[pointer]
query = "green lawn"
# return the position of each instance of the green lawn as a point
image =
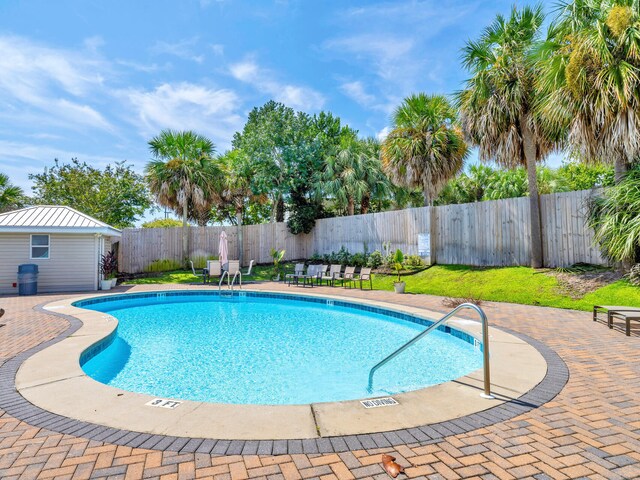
(508, 284)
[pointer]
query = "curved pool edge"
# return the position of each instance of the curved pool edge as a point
(517, 367)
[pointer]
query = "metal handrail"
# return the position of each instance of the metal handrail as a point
(222, 278)
(238, 274)
(485, 346)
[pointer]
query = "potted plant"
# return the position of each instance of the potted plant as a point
(277, 256)
(398, 263)
(108, 269)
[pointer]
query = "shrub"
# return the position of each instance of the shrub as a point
(201, 261)
(358, 260)
(163, 265)
(413, 261)
(398, 262)
(375, 259)
(634, 275)
(614, 219)
(162, 223)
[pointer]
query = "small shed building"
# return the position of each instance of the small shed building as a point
(65, 244)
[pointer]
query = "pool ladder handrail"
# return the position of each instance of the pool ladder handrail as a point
(432, 327)
(230, 281)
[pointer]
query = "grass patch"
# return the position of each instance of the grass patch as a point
(510, 284)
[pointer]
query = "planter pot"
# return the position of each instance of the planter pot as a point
(399, 287)
(105, 284)
(114, 282)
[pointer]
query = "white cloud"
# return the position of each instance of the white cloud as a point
(356, 91)
(35, 78)
(382, 134)
(183, 49)
(186, 106)
(295, 96)
(217, 48)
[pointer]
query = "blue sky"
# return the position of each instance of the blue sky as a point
(97, 79)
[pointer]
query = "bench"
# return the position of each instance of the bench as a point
(623, 313)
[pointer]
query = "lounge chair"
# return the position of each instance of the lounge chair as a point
(334, 272)
(623, 313)
(204, 274)
(248, 272)
(234, 271)
(215, 269)
(348, 275)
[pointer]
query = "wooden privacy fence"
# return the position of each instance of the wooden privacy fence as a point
(493, 233)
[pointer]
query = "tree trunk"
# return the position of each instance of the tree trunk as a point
(185, 236)
(620, 168)
(240, 236)
(351, 207)
(365, 204)
(427, 197)
(534, 197)
(280, 209)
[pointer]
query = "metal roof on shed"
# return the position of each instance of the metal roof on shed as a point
(53, 218)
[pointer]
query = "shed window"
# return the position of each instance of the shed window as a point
(39, 246)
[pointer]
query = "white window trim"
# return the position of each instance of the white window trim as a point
(31, 245)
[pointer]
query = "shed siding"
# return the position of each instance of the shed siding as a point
(71, 266)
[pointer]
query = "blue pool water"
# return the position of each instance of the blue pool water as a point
(268, 350)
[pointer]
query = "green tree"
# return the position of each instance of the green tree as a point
(496, 105)
(425, 149)
(353, 173)
(183, 177)
(615, 218)
(162, 223)
(575, 175)
(116, 195)
(265, 139)
(11, 196)
(286, 148)
(590, 66)
(237, 172)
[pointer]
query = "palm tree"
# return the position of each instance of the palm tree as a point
(183, 176)
(426, 148)
(11, 196)
(496, 105)
(591, 79)
(353, 173)
(237, 172)
(379, 186)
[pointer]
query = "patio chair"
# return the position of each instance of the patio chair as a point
(321, 273)
(297, 272)
(363, 276)
(348, 276)
(334, 271)
(204, 274)
(234, 270)
(309, 277)
(623, 313)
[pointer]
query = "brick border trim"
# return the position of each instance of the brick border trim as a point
(17, 406)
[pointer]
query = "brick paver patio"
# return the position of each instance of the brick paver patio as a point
(590, 430)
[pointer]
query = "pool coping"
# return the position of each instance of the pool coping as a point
(556, 375)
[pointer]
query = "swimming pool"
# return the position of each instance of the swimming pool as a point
(257, 348)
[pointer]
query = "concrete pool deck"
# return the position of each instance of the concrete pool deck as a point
(53, 380)
(591, 429)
